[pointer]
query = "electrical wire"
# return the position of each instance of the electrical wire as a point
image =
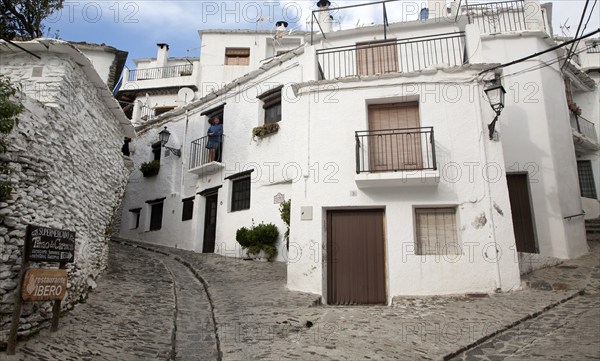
(576, 34)
(544, 64)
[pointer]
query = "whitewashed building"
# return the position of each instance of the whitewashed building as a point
(401, 181)
(67, 167)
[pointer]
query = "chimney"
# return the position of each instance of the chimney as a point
(162, 55)
(281, 25)
(325, 19)
(437, 9)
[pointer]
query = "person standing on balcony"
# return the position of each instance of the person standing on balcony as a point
(215, 134)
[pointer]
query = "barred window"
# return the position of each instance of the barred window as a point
(188, 209)
(240, 194)
(436, 231)
(156, 150)
(586, 179)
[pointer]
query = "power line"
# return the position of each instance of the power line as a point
(576, 34)
(543, 65)
(588, 20)
(539, 53)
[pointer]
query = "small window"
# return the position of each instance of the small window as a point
(156, 214)
(156, 150)
(134, 218)
(240, 194)
(436, 231)
(188, 209)
(586, 179)
(237, 56)
(272, 105)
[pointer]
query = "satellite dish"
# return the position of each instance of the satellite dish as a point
(185, 95)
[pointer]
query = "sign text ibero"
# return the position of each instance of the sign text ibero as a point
(44, 285)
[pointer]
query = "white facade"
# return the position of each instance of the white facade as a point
(261, 46)
(314, 159)
(67, 169)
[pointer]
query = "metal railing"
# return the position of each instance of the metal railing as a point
(584, 126)
(161, 73)
(498, 17)
(594, 48)
(200, 154)
(393, 150)
(147, 113)
(392, 56)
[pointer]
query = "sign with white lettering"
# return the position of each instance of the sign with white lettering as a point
(49, 245)
(44, 284)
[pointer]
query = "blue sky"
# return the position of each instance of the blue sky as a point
(136, 26)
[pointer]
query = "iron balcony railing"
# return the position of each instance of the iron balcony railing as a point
(200, 155)
(498, 17)
(161, 73)
(394, 150)
(392, 56)
(584, 126)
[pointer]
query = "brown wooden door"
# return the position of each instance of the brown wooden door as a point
(397, 150)
(520, 205)
(376, 58)
(355, 257)
(210, 223)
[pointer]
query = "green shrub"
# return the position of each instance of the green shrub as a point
(262, 237)
(284, 210)
(150, 168)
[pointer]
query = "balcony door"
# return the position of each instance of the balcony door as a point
(394, 137)
(379, 57)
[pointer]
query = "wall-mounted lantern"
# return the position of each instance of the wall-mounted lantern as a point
(495, 93)
(163, 136)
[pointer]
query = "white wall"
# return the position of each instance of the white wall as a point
(535, 128)
(101, 60)
(325, 135)
(215, 74)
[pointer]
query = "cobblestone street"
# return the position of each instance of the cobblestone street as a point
(160, 303)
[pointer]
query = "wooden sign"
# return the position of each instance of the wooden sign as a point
(44, 284)
(49, 245)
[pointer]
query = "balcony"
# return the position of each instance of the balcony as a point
(584, 134)
(395, 157)
(392, 56)
(498, 17)
(161, 73)
(200, 162)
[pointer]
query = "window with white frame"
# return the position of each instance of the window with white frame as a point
(436, 231)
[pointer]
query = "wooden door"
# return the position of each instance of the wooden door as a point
(376, 58)
(355, 257)
(210, 223)
(520, 205)
(398, 148)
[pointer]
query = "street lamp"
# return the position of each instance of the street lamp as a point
(163, 136)
(495, 94)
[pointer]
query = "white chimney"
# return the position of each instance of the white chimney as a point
(437, 9)
(162, 55)
(325, 18)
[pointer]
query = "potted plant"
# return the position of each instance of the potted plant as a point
(264, 130)
(573, 107)
(257, 239)
(150, 169)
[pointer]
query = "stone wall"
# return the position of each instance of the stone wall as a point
(67, 172)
